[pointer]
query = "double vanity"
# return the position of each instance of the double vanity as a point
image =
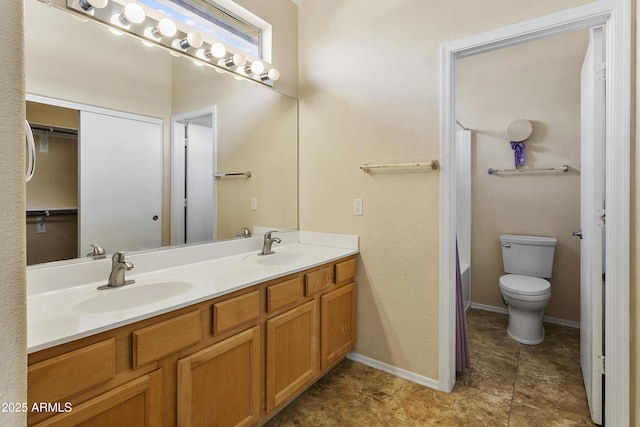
(208, 335)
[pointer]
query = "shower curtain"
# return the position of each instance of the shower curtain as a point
(463, 360)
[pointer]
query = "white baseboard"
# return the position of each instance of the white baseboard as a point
(393, 370)
(547, 319)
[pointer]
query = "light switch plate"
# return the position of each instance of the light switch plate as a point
(357, 207)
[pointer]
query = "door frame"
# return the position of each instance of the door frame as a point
(616, 15)
(178, 170)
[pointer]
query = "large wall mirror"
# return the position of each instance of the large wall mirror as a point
(94, 96)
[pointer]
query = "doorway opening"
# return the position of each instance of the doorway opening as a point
(616, 16)
(193, 187)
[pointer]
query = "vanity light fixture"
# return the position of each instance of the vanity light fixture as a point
(163, 32)
(88, 5)
(133, 14)
(166, 27)
(193, 40)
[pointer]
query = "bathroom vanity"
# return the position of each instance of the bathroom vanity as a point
(234, 357)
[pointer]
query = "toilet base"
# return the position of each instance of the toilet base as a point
(525, 326)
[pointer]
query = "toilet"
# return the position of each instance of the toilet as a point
(528, 260)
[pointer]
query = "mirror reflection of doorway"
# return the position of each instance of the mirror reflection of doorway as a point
(193, 184)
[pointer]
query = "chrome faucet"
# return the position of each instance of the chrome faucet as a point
(118, 268)
(245, 233)
(268, 241)
(97, 251)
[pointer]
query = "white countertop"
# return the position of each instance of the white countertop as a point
(60, 310)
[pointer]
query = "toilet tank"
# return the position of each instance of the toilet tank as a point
(528, 255)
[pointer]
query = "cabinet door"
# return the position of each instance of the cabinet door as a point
(136, 403)
(291, 352)
(338, 323)
(220, 385)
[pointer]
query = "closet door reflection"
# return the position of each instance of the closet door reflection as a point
(120, 190)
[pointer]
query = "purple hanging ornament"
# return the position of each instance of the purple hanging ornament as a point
(518, 153)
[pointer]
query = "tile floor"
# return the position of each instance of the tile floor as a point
(509, 384)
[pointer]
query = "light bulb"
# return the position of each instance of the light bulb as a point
(218, 50)
(238, 59)
(257, 67)
(273, 75)
(88, 5)
(166, 27)
(221, 64)
(193, 40)
(134, 13)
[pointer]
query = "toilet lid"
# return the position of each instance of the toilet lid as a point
(525, 285)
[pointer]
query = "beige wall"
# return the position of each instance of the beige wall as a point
(255, 130)
(13, 328)
(85, 63)
(539, 81)
(369, 90)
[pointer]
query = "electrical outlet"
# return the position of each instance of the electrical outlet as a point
(357, 207)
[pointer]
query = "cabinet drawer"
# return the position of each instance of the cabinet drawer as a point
(318, 280)
(62, 376)
(159, 340)
(345, 271)
(284, 293)
(235, 311)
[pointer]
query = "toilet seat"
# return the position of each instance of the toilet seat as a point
(525, 285)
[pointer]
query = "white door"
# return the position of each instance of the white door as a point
(200, 186)
(591, 222)
(120, 185)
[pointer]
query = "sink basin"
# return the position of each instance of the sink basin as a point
(131, 296)
(281, 258)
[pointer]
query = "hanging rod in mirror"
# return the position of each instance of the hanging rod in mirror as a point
(563, 168)
(52, 211)
(220, 175)
(433, 165)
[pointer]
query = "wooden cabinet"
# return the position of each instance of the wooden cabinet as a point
(164, 338)
(220, 385)
(338, 311)
(229, 361)
(292, 342)
(136, 403)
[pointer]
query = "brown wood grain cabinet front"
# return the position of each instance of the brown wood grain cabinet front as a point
(338, 323)
(292, 344)
(220, 385)
(234, 360)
